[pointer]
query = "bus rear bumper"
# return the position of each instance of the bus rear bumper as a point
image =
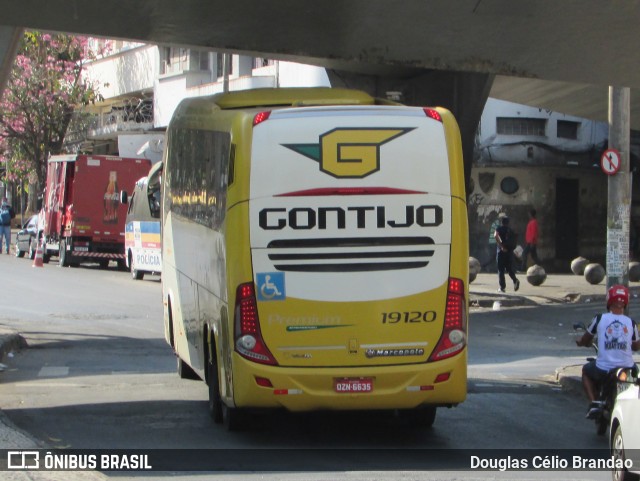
(442, 383)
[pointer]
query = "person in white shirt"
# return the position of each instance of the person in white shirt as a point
(617, 337)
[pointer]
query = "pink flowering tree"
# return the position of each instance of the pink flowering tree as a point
(45, 87)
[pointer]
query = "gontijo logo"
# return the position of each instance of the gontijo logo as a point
(349, 152)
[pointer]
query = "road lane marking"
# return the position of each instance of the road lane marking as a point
(53, 371)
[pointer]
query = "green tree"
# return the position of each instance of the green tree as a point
(46, 85)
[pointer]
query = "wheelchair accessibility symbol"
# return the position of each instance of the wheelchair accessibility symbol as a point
(270, 286)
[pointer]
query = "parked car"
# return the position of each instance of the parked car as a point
(625, 432)
(26, 239)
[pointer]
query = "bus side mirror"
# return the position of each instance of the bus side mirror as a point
(124, 197)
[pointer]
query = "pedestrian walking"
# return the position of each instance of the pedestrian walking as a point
(531, 240)
(489, 266)
(6, 215)
(506, 240)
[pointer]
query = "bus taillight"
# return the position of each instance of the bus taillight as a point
(454, 332)
(261, 117)
(248, 337)
(433, 114)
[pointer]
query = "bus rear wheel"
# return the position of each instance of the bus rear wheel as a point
(422, 417)
(215, 402)
(233, 419)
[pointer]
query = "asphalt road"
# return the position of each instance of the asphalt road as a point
(98, 374)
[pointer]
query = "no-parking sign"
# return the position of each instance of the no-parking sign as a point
(610, 161)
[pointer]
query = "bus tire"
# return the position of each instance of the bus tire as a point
(234, 419)
(215, 402)
(422, 417)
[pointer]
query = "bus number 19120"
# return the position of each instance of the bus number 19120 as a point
(406, 317)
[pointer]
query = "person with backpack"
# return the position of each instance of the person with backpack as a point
(506, 241)
(6, 214)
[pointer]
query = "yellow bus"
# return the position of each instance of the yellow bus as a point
(315, 252)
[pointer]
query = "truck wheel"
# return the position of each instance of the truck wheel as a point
(33, 246)
(62, 254)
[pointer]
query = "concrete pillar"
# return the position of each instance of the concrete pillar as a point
(9, 42)
(463, 93)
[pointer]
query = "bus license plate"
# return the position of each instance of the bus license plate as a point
(359, 385)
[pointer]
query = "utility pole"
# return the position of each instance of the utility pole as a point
(619, 188)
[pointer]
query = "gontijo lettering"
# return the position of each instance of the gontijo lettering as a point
(340, 218)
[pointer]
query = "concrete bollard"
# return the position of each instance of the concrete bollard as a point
(594, 273)
(536, 275)
(474, 269)
(634, 271)
(578, 265)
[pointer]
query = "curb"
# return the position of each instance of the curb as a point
(486, 300)
(569, 378)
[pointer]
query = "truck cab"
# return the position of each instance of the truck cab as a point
(83, 220)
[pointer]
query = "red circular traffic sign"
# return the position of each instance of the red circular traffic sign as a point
(610, 161)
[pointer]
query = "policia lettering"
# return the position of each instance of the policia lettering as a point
(301, 218)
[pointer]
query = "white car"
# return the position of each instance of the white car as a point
(625, 432)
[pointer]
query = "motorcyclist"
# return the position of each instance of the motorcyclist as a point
(617, 337)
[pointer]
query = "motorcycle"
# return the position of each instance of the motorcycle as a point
(615, 381)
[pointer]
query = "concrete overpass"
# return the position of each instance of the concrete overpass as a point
(559, 55)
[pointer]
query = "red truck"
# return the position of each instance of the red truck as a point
(82, 219)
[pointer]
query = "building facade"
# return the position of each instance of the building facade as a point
(525, 157)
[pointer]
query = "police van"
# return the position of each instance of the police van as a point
(143, 243)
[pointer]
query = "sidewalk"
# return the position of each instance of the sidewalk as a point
(556, 289)
(483, 293)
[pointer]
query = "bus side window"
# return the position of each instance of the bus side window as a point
(232, 164)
